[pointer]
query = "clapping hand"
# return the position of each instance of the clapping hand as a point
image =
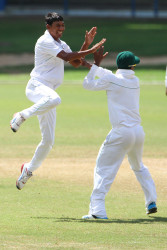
(98, 45)
(99, 56)
(89, 36)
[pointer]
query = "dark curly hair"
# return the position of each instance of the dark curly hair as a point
(53, 17)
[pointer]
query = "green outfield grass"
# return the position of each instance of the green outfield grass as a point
(47, 215)
(47, 212)
(144, 37)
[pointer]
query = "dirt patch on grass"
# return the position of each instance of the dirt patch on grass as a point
(28, 59)
(80, 171)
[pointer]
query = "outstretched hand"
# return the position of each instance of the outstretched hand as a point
(99, 56)
(89, 36)
(98, 45)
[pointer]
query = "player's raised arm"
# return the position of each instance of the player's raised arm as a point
(99, 56)
(89, 38)
(80, 54)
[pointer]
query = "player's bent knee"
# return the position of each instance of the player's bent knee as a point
(56, 101)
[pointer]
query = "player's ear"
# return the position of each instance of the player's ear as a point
(48, 26)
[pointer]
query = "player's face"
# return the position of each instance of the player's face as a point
(56, 29)
(133, 68)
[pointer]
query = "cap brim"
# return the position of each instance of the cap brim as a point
(137, 60)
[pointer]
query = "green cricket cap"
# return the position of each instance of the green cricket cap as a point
(126, 59)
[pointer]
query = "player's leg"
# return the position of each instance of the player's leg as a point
(141, 171)
(109, 159)
(47, 123)
(44, 98)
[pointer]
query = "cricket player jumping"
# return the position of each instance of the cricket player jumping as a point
(126, 136)
(47, 75)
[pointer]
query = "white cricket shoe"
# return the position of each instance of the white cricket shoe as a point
(93, 217)
(16, 122)
(25, 175)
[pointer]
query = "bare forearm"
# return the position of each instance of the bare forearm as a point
(77, 55)
(80, 54)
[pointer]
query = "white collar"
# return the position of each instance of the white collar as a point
(51, 37)
(126, 72)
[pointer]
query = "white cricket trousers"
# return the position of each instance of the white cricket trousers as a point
(46, 100)
(119, 142)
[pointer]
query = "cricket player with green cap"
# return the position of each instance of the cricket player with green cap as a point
(126, 59)
(126, 136)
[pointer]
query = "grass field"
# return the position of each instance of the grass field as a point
(47, 213)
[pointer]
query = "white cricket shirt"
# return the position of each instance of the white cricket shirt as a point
(123, 93)
(49, 69)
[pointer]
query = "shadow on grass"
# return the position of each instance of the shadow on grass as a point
(148, 220)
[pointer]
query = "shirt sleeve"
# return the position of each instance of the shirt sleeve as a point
(66, 48)
(104, 82)
(166, 78)
(49, 48)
